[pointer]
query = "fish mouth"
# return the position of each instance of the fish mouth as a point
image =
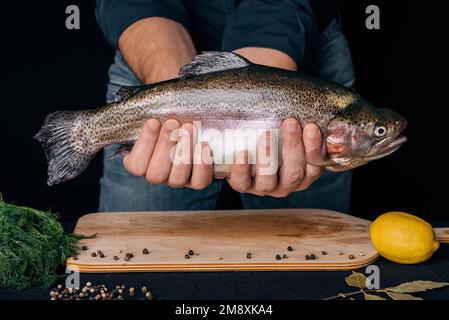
(391, 145)
(398, 141)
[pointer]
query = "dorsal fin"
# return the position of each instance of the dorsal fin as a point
(213, 61)
(124, 93)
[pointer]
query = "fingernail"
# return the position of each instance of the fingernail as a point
(189, 129)
(154, 125)
(171, 124)
(313, 131)
(292, 126)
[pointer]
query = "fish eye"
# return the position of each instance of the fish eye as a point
(380, 131)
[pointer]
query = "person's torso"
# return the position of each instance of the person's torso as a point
(208, 19)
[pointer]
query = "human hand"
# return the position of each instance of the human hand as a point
(294, 173)
(161, 159)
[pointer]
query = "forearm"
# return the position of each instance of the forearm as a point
(268, 57)
(156, 48)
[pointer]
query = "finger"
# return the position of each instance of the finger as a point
(266, 164)
(183, 155)
(313, 145)
(202, 170)
(240, 179)
(160, 163)
(136, 162)
(292, 169)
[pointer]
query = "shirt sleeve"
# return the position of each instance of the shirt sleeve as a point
(114, 16)
(285, 25)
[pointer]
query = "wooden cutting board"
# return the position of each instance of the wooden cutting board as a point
(222, 239)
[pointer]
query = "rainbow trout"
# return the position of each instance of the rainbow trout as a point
(224, 91)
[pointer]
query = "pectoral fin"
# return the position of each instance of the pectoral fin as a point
(122, 150)
(320, 157)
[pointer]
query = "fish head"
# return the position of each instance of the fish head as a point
(363, 133)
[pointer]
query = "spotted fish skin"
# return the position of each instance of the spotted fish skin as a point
(221, 90)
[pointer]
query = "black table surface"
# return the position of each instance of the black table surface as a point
(289, 285)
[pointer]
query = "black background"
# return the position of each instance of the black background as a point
(400, 66)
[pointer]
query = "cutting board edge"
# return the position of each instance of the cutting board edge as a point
(221, 267)
(442, 234)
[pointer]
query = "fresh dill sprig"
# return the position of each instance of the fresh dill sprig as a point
(33, 247)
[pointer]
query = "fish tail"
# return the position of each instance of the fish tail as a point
(63, 138)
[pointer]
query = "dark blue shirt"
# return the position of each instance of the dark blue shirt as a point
(226, 25)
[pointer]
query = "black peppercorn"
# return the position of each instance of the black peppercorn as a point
(149, 295)
(145, 251)
(93, 254)
(284, 256)
(249, 255)
(115, 258)
(289, 248)
(323, 253)
(186, 256)
(101, 255)
(312, 256)
(278, 257)
(190, 253)
(84, 248)
(351, 256)
(75, 257)
(128, 256)
(307, 257)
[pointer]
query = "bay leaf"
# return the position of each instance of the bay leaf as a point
(402, 296)
(417, 286)
(357, 280)
(372, 297)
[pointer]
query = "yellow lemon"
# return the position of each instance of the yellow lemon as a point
(403, 238)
